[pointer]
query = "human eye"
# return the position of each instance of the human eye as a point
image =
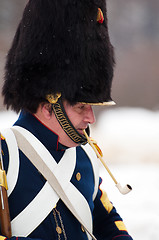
(81, 106)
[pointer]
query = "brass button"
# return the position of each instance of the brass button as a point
(78, 176)
(82, 228)
(58, 230)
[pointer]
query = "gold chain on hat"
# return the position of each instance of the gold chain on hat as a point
(59, 229)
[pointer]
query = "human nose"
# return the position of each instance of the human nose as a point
(89, 116)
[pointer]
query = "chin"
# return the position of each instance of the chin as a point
(80, 131)
(66, 141)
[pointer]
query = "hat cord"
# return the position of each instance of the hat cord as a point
(66, 124)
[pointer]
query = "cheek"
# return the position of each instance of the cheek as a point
(76, 120)
(74, 116)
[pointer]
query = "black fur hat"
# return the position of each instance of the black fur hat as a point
(60, 46)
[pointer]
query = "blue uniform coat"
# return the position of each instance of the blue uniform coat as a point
(106, 221)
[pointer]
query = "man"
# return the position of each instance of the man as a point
(60, 64)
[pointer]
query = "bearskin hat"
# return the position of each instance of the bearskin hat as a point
(59, 46)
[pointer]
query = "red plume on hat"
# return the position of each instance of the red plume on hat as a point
(60, 46)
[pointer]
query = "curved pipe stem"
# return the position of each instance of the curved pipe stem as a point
(124, 190)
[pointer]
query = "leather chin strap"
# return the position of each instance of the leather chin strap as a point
(66, 124)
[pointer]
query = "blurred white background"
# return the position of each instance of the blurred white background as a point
(129, 139)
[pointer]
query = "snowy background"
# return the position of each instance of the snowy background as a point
(129, 139)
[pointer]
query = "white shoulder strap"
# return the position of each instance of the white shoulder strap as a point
(31, 217)
(13, 168)
(73, 199)
(95, 164)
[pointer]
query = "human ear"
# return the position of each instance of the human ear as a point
(47, 110)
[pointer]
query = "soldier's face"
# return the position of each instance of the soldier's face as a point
(80, 115)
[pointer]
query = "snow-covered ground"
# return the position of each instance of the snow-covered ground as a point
(129, 139)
